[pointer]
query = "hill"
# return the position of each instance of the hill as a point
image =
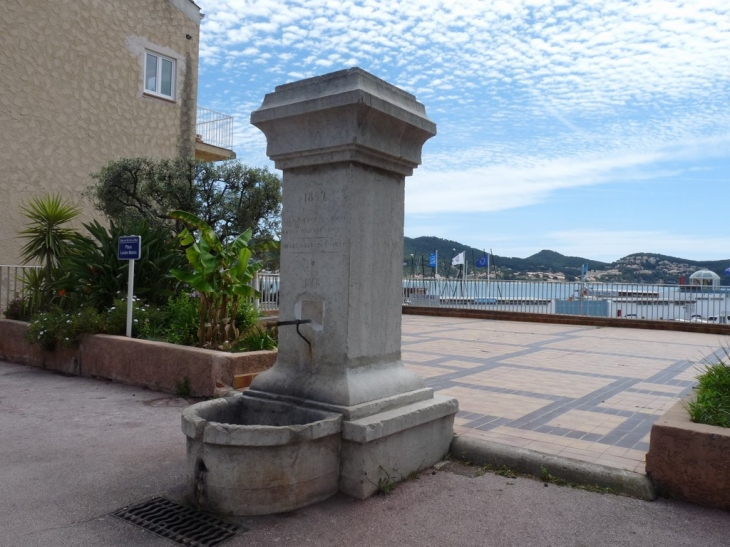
(634, 268)
(510, 267)
(658, 268)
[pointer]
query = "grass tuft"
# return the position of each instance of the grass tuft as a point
(712, 406)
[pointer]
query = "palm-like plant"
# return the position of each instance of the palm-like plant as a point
(221, 274)
(48, 237)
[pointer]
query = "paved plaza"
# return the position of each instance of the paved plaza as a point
(76, 449)
(582, 392)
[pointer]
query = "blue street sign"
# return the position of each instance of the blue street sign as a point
(130, 248)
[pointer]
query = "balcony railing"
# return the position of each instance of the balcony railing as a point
(214, 128)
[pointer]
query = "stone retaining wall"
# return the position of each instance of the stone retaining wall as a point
(154, 365)
(690, 461)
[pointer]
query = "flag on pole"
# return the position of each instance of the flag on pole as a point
(727, 271)
(432, 259)
(483, 262)
(459, 259)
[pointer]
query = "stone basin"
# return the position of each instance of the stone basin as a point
(250, 456)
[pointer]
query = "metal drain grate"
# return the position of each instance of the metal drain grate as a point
(177, 522)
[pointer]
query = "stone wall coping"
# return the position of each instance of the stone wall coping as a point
(152, 364)
(678, 417)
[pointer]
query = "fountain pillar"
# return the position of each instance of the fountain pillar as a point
(345, 143)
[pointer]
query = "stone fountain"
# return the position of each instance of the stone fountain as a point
(338, 410)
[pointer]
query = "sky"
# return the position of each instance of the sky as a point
(594, 128)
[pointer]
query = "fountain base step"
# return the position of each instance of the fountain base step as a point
(387, 447)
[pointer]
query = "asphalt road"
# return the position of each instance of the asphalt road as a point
(74, 449)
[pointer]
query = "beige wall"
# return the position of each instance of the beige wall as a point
(71, 95)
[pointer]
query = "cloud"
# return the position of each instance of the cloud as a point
(531, 97)
(520, 181)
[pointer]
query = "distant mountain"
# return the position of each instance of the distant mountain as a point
(544, 261)
(657, 268)
(634, 268)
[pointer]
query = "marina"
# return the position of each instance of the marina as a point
(708, 304)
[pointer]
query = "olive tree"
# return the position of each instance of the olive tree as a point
(230, 197)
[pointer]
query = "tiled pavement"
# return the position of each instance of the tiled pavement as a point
(583, 392)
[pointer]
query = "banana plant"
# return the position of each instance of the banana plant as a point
(221, 273)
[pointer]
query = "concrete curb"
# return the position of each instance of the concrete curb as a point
(485, 452)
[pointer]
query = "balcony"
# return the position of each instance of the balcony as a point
(214, 136)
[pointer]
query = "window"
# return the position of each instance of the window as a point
(159, 75)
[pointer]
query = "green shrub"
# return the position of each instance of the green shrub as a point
(712, 405)
(148, 321)
(18, 309)
(60, 327)
(91, 268)
(256, 339)
(183, 317)
(176, 323)
(151, 322)
(247, 317)
(115, 318)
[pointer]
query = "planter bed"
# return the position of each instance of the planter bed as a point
(154, 365)
(690, 461)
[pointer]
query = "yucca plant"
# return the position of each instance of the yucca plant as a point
(221, 274)
(46, 233)
(33, 289)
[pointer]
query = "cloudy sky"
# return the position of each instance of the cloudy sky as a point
(595, 128)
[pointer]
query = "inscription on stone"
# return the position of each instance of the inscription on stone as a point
(312, 234)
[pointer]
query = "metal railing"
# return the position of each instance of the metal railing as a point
(624, 300)
(12, 283)
(619, 300)
(214, 128)
(268, 286)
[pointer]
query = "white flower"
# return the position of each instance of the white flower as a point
(112, 308)
(135, 320)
